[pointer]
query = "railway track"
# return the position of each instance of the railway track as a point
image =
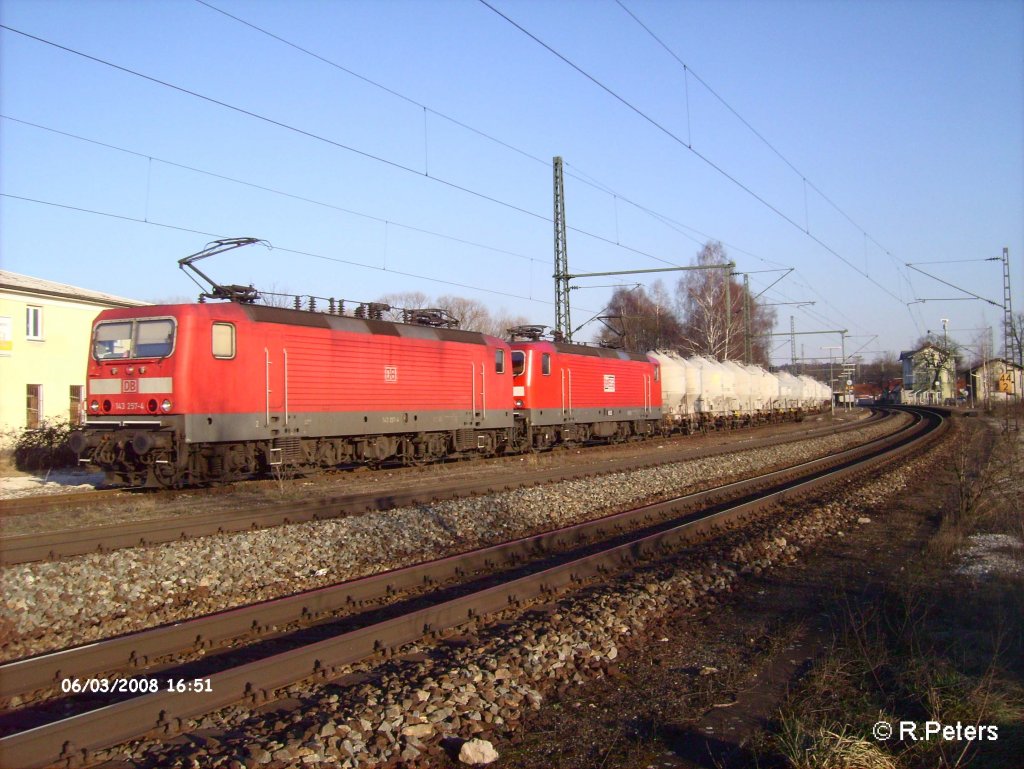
(43, 503)
(514, 573)
(66, 543)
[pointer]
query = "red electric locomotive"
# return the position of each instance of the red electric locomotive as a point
(568, 393)
(185, 394)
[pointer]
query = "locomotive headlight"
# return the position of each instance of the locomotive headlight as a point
(94, 406)
(518, 403)
(166, 405)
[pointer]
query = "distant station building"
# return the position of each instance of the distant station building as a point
(44, 341)
(995, 381)
(929, 376)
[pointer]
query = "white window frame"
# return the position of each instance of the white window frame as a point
(34, 330)
(213, 339)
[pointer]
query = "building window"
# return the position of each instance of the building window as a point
(34, 402)
(223, 340)
(76, 410)
(33, 322)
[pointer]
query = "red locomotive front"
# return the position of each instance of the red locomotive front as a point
(576, 393)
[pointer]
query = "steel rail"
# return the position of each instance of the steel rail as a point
(66, 543)
(138, 650)
(42, 503)
(71, 741)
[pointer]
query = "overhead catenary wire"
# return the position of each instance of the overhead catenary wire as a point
(275, 191)
(277, 247)
(150, 158)
(368, 155)
(629, 105)
(466, 126)
(576, 172)
(332, 142)
(803, 177)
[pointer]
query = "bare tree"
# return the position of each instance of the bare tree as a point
(403, 300)
(502, 322)
(1017, 332)
(472, 315)
(638, 320)
(939, 360)
(882, 371)
(276, 297)
(710, 307)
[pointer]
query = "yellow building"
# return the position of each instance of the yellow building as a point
(44, 341)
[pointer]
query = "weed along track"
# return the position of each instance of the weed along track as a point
(230, 667)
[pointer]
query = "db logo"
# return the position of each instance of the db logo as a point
(129, 385)
(391, 373)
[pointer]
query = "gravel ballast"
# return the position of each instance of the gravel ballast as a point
(49, 606)
(411, 707)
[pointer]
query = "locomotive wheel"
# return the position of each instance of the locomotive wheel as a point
(407, 454)
(165, 470)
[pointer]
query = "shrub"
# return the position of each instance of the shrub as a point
(45, 447)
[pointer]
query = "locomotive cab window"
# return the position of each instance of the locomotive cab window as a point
(545, 363)
(518, 362)
(154, 338)
(223, 340)
(112, 340)
(149, 338)
(499, 361)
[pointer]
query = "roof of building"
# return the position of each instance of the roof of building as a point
(26, 284)
(991, 361)
(867, 388)
(913, 353)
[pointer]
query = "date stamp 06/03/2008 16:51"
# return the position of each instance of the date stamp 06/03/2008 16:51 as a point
(135, 685)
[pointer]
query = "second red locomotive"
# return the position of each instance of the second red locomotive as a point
(569, 393)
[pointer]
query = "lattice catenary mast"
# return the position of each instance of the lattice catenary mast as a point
(563, 324)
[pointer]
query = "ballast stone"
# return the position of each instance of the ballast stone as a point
(477, 752)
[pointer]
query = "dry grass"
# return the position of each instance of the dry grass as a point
(829, 747)
(936, 647)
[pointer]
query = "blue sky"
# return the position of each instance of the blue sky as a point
(894, 133)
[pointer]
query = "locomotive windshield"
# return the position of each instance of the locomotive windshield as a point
(149, 338)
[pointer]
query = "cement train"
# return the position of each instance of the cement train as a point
(188, 394)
